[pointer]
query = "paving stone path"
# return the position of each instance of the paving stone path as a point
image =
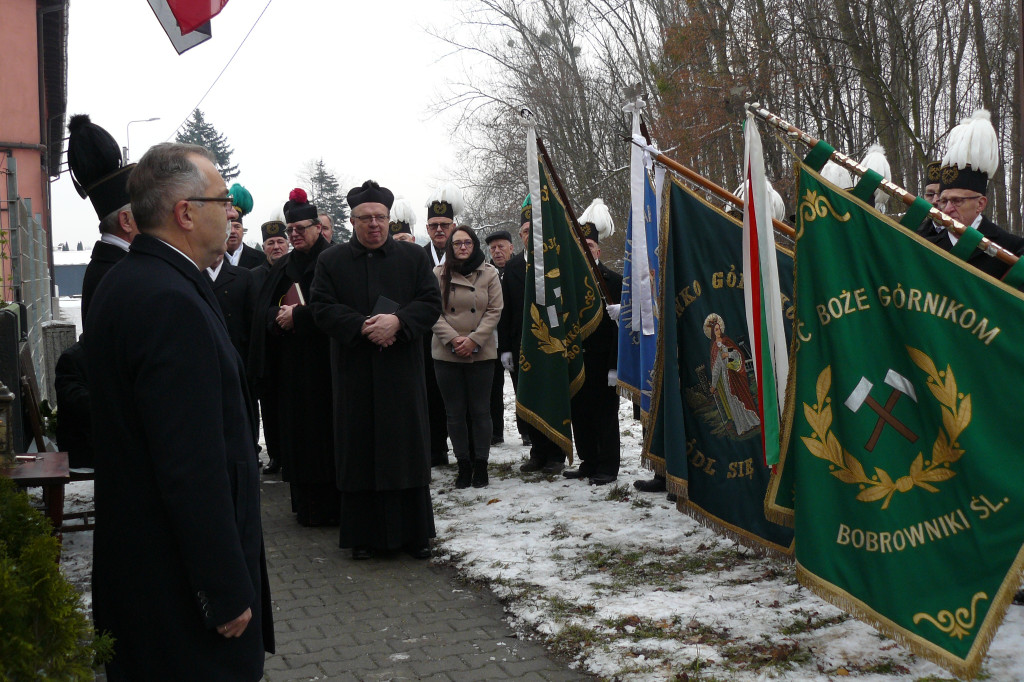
(390, 618)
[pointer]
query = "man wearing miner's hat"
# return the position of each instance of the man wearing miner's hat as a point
(239, 253)
(98, 173)
(972, 156)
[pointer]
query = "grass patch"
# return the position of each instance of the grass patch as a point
(502, 470)
(619, 493)
(563, 608)
(640, 503)
(560, 531)
(768, 653)
(659, 567)
(810, 620)
(572, 639)
(637, 628)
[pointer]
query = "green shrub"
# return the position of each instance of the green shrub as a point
(44, 632)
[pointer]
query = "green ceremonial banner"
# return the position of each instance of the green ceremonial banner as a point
(900, 466)
(706, 435)
(551, 357)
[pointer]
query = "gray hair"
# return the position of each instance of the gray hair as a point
(164, 176)
(111, 223)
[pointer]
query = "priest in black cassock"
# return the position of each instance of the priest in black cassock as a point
(376, 298)
(286, 352)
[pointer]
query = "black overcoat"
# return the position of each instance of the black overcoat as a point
(513, 290)
(979, 259)
(104, 257)
(293, 365)
(178, 546)
(250, 257)
(233, 288)
(380, 400)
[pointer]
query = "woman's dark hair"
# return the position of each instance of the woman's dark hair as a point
(464, 267)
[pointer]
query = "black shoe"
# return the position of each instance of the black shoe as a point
(418, 552)
(361, 553)
(526, 440)
(671, 497)
(1019, 598)
(465, 472)
(439, 460)
(602, 479)
(553, 468)
(576, 473)
(273, 466)
(497, 440)
(479, 474)
(531, 466)
(655, 485)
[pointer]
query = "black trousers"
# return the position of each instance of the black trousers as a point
(595, 419)
(498, 402)
(436, 416)
(465, 387)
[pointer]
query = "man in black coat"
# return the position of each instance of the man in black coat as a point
(595, 407)
(233, 288)
(377, 298)
(179, 577)
(94, 159)
(963, 182)
(287, 356)
(545, 455)
(440, 224)
(238, 252)
(499, 243)
(275, 247)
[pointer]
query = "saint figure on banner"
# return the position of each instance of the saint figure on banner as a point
(730, 388)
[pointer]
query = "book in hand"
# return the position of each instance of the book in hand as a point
(293, 296)
(384, 306)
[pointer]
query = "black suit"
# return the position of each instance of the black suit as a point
(234, 290)
(595, 407)
(74, 428)
(979, 259)
(104, 256)
(437, 419)
(178, 546)
(510, 334)
(251, 257)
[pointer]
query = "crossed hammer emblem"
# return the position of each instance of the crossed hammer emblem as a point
(862, 396)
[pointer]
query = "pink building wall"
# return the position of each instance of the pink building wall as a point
(19, 114)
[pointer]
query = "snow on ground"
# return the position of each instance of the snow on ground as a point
(628, 588)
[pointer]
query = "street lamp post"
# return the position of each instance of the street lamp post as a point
(127, 134)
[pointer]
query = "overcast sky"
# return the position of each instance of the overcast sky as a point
(352, 83)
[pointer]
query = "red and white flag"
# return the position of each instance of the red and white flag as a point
(191, 14)
(762, 293)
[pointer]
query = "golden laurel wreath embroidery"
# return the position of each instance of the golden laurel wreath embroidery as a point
(956, 415)
(814, 206)
(954, 625)
(551, 345)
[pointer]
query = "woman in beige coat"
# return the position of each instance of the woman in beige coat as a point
(464, 349)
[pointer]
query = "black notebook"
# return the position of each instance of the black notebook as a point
(384, 306)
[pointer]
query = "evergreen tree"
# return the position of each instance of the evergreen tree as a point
(325, 192)
(198, 131)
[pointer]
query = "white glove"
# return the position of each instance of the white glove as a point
(613, 312)
(613, 378)
(506, 360)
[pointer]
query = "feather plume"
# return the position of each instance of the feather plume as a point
(401, 212)
(776, 204)
(599, 215)
(876, 161)
(974, 143)
(837, 175)
(449, 194)
(298, 195)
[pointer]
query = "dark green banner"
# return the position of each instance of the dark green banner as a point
(901, 463)
(551, 357)
(706, 435)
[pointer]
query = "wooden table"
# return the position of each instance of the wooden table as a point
(50, 472)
